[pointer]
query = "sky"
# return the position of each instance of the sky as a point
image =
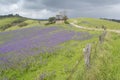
(42, 9)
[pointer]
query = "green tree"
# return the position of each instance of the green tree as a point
(52, 20)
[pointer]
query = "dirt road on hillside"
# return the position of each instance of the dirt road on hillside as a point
(73, 24)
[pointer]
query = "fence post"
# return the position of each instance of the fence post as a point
(87, 51)
(102, 36)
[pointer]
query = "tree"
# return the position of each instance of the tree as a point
(10, 15)
(17, 15)
(65, 18)
(52, 20)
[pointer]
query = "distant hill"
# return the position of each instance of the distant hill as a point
(9, 15)
(115, 20)
(41, 19)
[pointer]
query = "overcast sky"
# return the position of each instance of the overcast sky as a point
(73, 8)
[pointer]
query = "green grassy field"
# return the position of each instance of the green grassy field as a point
(96, 23)
(61, 64)
(104, 61)
(30, 23)
(50, 66)
(8, 22)
(13, 23)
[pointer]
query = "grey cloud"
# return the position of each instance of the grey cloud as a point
(74, 8)
(84, 8)
(8, 2)
(33, 4)
(68, 4)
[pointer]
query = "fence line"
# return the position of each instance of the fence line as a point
(102, 36)
(87, 53)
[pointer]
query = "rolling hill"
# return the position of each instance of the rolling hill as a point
(8, 22)
(96, 23)
(55, 52)
(13, 22)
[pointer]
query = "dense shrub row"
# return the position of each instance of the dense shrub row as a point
(22, 24)
(9, 15)
(16, 22)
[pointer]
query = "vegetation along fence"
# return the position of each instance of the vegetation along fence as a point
(87, 53)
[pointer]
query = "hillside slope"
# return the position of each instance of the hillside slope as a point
(17, 22)
(55, 52)
(96, 23)
(29, 53)
(8, 22)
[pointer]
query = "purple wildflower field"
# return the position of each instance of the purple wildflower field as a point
(19, 44)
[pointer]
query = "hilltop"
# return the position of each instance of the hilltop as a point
(96, 23)
(13, 22)
(8, 21)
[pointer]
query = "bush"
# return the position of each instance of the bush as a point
(19, 21)
(5, 27)
(47, 23)
(22, 24)
(66, 22)
(52, 20)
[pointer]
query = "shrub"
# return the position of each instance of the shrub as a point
(22, 24)
(13, 23)
(66, 22)
(47, 23)
(5, 27)
(52, 20)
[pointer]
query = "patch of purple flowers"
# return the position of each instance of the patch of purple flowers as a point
(35, 40)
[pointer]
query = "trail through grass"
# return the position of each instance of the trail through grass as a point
(96, 23)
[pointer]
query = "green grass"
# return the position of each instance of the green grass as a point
(30, 23)
(96, 23)
(59, 65)
(104, 61)
(8, 22)
(54, 66)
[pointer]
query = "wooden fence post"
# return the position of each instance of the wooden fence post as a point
(87, 51)
(102, 36)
